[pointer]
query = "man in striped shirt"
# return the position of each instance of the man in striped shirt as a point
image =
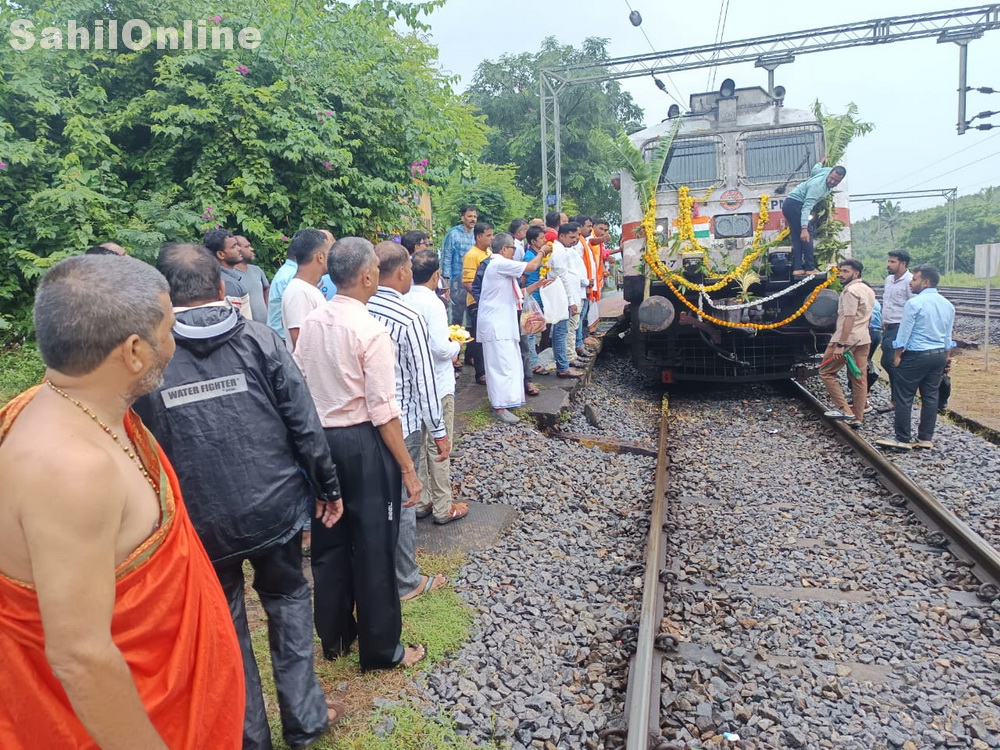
(416, 392)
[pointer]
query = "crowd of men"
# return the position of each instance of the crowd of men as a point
(914, 324)
(557, 266)
(319, 402)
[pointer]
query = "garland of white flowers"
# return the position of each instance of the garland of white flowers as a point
(754, 303)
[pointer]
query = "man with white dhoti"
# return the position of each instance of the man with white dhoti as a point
(499, 330)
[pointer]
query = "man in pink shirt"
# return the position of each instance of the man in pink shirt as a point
(347, 358)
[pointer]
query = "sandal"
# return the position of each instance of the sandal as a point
(539, 370)
(531, 389)
(458, 511)
(481, 380)
(430, 583)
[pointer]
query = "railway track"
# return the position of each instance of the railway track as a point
(967, 300)
(663, 570)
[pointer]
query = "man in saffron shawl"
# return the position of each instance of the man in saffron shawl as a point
(114, 630)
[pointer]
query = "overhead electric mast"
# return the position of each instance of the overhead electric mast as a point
(959, 26)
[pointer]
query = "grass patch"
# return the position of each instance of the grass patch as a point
(20, 368)
(975, 393)
(439, 619)
(476, 419)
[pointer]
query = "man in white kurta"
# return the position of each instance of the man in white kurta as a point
(499, 329)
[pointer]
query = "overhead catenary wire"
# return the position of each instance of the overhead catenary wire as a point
(657, 81)
(957, 169)
(720, 32)
(933, 163)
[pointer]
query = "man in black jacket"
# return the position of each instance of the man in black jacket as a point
(236, 419)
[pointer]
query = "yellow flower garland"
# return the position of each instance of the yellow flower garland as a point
(686, 230)
(756, 326)
(685, 226)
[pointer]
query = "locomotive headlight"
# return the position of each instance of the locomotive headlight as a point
(659, 229)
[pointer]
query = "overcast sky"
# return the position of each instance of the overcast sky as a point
(908, 89)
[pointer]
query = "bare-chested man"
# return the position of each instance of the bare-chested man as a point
(113, 628)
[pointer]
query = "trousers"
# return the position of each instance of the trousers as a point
(918, 371)
(457, 300)
(560, 332)
(859, 386)
(803, 258)
(407, 570)
(474, 351)
(435, 475)
(889, 332)
(285, 595)
(354, 563)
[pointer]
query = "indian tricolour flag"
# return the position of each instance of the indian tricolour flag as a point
(702, 226)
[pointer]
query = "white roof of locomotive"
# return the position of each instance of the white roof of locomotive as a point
(754, 110)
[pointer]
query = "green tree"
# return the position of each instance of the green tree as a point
(317, 126)
(506, 91)
(490, 188)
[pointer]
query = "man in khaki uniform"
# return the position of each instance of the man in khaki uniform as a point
(857, 300)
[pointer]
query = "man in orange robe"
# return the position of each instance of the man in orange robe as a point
(114, 630)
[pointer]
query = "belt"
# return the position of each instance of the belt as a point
(927, 351)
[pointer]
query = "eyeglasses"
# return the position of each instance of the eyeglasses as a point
(509, 247)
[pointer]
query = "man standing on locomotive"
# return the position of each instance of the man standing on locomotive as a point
(797, 208)
(857, 300)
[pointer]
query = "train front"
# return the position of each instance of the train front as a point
(707, 261)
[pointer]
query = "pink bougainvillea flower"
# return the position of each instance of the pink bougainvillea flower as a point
(284, 238)
(243, 70)
(329, 113)
(3, 165)
(328, 165)
(217, 20)
(423, 162)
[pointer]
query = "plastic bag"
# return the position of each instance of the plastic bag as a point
(554, 302)
(532, 317)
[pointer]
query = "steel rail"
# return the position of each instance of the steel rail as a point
(642, 700)
(965, 544)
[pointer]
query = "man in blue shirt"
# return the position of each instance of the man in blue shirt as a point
(923, 347)
(285, 274)
(797, 208)
(456, 244)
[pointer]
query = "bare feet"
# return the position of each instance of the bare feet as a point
(413, 654)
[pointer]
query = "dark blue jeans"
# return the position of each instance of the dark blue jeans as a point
(803, 258)
(559, 332)
(918, 371)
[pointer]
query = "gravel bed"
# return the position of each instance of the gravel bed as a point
(963, 470)
(881, 645)
(971, 328)
(625, 404)
(553, 594)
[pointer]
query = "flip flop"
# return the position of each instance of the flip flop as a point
(339, 707)
(541, 370)
(427, 585)
(531, 389)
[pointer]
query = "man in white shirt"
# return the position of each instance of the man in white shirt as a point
(578, 273)
(563, 339)
(436, 475)
(309, 250)
(895, 294)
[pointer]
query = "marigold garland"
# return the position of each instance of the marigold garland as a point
(685, 226)
(755, 326)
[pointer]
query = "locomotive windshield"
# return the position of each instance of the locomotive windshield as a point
(691, 163)
(777, 157)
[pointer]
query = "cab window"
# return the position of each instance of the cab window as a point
(778, 157)
(691, 163)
